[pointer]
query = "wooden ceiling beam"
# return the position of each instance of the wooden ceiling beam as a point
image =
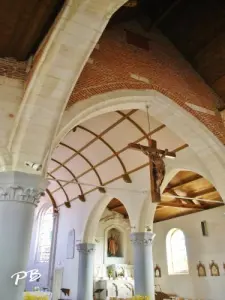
(52, 200)
(120, 176)
(171, 187)
(61, 187)
(81, 196)
(164, 14)
(87, 160)
(116, 207)
(119, 152)
(178, 214)
(180, 205)
(126, 177)
(96, 138)
(145, 134)
(117, 178)
(206, 191)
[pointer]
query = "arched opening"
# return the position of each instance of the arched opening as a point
(97, 143)
(177, 258)
(44, 237)
(96, 153)
(41, 246)
(113, 254)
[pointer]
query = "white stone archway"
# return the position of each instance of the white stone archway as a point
(209, 150)
(95, 216)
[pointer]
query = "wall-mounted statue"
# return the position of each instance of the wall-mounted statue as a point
(114, 243)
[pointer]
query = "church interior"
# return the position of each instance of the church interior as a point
(112, 150)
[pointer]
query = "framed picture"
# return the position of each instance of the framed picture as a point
(201, 270)
(214, 269)
(71, 244)
(157, 271)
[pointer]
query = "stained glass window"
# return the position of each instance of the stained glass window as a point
(45, 235)
(176, 252)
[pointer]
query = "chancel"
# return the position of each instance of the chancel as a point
(112, 150)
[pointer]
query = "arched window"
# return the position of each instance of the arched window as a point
(45, 235)
(176, 252)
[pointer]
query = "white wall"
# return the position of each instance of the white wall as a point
(199, 248)
(72, 218)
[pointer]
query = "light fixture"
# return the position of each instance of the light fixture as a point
(35, 166)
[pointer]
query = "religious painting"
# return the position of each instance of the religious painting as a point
(214, 269)
(114, 243)
(157, 271)
(201, 270)
(71, 244)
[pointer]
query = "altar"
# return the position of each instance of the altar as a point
(115, 281)
(37, 296)
(119, 288)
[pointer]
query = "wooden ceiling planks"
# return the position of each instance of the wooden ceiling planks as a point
(172, 207)
(24, 24)
(197, 29)
(185, 183)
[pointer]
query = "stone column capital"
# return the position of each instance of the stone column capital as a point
(21, 187)
(86, 248)
(142, 238)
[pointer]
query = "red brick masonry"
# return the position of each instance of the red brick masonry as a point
(164, 67)
(11, 68)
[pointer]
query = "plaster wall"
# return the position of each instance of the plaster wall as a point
(199, 248)
(73, 218)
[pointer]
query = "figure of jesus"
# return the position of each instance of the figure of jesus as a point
(112, 246)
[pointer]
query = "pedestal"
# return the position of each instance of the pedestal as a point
(85, 271)
(143, 264)
(19, 195)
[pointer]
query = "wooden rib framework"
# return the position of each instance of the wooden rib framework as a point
(175, 204)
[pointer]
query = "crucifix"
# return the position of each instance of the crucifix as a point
(156, 165)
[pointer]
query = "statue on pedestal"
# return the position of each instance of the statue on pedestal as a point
(113, 243)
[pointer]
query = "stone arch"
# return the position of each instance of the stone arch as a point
(94, 217)
(57, 66)
(207, 147)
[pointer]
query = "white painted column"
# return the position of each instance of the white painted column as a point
(143, 264)
(19, 195)
(51, 268)
(85, 271)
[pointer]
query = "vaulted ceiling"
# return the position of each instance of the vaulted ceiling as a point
(196, 28)
(95, 157)
(24, 24)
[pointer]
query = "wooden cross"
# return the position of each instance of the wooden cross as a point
(156, 165)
